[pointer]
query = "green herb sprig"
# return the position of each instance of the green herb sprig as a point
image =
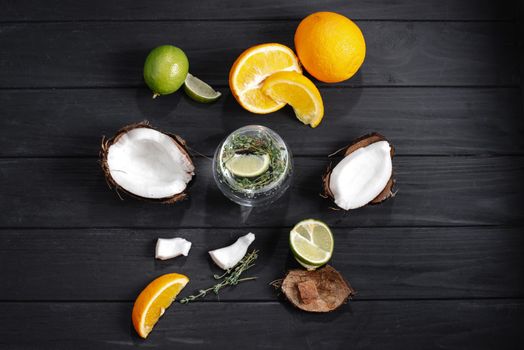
(259, 145)
(230, 278)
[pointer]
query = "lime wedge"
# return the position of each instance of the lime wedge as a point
(199, 90)
(248, 165)
(311, 242)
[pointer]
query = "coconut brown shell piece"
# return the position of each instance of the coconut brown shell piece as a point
(321, 290)
(363, 141)
(106, 143)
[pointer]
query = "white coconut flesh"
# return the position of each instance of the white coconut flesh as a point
(228, 257)
(361, 176)
(168, 248)
(149, 164)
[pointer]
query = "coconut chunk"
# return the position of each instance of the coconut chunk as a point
(147, 163)
(361, 176)
(229, 256)
(308, 291)
(168, 248)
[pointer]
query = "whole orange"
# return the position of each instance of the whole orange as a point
(330, 46)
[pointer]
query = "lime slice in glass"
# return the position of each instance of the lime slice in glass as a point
(311, 242)
(199, 90)
(248, 165)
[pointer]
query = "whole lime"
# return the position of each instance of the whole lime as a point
(165, 69)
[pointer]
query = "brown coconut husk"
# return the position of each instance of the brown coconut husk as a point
(363, 141)
(322, 290)
(104, 148)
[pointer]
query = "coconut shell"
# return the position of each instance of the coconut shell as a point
(321, 290)
(363, 141)
(106, 143)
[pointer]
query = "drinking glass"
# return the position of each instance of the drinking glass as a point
(281, 167)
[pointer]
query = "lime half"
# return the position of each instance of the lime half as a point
(311, 242)
(199, 90)
(248, 165)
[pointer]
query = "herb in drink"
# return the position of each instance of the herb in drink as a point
(259, 145)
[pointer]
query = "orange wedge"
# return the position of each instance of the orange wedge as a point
(154, 300)
(298, 91)
(252, 67)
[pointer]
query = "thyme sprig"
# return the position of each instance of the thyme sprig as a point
(230, 278)
(260, 145)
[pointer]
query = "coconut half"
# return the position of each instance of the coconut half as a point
(365, 174)
(147, 163)
(321, 290)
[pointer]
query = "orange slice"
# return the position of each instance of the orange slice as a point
(252, 67)
(298, 91)
(154, 300)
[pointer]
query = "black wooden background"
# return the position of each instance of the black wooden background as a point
(439, 266)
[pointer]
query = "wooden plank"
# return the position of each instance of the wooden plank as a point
(520, 24)
(439, 191)
(30, 10)
(431, 121)
(449, 324)
(112, 54)
(404, 263)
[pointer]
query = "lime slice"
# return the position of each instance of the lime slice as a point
(312, 243)
(248, 165)
(199, 90)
